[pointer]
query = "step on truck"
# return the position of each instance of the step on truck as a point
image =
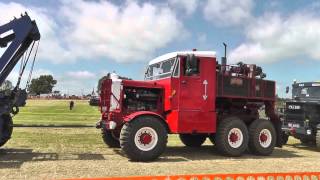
(190, 94)
(301, 118)
(18, 43)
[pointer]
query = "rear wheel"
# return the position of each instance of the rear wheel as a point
(6, 128)
(262, 137)
(192, 140)
(232, 137)
(304, 140)
(143, 139)
(109, 139)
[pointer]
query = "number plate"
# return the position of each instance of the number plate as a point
(293, 125)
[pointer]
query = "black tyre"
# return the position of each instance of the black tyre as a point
(285, 138)
(232, 137)
(6, 129)
(192, 140)
(318, 139)
(144, 138)
(262, 137)
(109, 139)
(212, 138)
(304, 140)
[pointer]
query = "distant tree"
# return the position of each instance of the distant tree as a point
(42, 85)
(6, 85)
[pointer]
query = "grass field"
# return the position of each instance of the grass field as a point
(56, 112)
(49, 152)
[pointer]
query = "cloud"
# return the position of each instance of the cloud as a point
(228, 12)
(89, 30)
(51, 47)
(202, 37)
(125, 33)
(272, 38)
(188, 6)
(81, 74)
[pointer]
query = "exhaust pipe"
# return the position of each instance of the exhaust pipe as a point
(224, 59)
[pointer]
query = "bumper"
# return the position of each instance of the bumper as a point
(297, 131)
(110, 121)
(110, 125)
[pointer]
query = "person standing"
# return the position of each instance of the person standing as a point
(71, 105)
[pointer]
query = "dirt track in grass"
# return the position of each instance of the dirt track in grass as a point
(46, 153)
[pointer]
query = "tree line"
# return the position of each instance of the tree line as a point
(41, 85)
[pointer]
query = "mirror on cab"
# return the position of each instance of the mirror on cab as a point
(191, 65)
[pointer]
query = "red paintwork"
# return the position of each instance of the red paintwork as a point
(183, 107)
(139, 113)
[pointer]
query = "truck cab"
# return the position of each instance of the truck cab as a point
(190, 94)
(302, 113)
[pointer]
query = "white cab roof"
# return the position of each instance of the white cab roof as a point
(174, 54)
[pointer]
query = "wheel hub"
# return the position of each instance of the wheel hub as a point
(145, 138)
(265, 138)
(235, 137)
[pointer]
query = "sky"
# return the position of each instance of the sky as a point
(83, 40)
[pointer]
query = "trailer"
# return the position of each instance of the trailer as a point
(189, 93)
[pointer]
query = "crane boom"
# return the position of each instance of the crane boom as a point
(16, 37)
(20, 33)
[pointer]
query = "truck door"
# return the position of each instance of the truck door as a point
(196, 103)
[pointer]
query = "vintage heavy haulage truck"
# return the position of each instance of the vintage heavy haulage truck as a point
(302, 114)
(189, 93)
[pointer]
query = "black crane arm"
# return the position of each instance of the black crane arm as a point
(20, 33)
(16, 36)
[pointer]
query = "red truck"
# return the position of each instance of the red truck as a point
(189, 93)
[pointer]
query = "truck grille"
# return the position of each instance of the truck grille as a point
(294, 113)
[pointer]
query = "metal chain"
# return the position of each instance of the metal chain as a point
(31, 69)
(24, 66)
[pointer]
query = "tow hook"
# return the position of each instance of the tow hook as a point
(292, 131)
(98, 124)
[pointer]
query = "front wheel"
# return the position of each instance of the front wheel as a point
(262, 137)
(6, 128)
(232, 137)
(109, 139)
(305, 140)
(143, 139)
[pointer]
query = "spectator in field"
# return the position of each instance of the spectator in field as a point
(71, 105)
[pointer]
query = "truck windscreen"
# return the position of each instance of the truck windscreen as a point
(306, 92)
(160, 70)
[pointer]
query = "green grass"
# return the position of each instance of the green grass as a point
(56, 112)
(55, 153)
(58, 140)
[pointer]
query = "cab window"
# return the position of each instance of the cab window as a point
(191, 66)
(177, 68)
